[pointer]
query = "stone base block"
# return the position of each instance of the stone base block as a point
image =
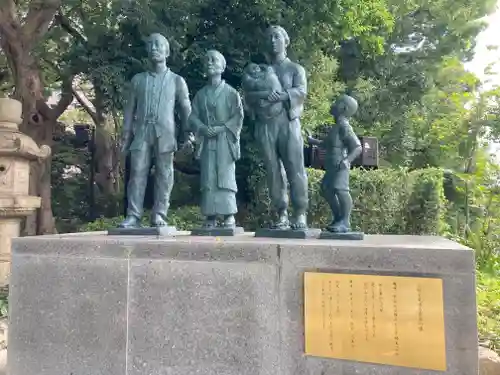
(216, 232)
(288, 233)
(354, 236)
(144, 231)
(97, 304)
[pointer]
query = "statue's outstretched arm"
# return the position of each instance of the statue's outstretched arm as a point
(184, 106)
(129, 114)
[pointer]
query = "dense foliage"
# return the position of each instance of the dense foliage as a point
(386, 201)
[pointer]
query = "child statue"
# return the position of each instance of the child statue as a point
(342, 146)
(217, 119)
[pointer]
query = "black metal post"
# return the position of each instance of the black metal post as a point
(92, 174)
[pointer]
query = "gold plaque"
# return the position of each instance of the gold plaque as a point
(379, 319)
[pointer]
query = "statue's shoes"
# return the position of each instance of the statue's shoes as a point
(130, 222)
(209, 225)
(338, 228)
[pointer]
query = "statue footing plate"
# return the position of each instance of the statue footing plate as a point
(288, 233)
(164, 231)
(216, 232)
(356, 236)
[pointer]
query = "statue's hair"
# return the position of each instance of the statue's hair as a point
(163, 39)
(220, 56)
(282, 31)
(350, 105)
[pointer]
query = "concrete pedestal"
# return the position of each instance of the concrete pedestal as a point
(110, 305)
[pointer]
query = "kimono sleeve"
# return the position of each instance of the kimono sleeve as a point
(235, 121)
(195, 122)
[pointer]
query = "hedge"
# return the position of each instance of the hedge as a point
(386, 201)
(183, 218)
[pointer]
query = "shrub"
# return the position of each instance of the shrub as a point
(488, 300)
(184, 218)
(426, 204)
(386, 201)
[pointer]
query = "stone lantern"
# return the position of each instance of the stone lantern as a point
(17, 150)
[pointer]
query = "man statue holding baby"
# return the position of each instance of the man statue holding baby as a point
(274, 98)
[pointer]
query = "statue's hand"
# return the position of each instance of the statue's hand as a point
(190, 138)
(187, 146)
(211, 132)
(204, 131)
(344, 164)
(126, 141)
(277, 96)
(219, 129)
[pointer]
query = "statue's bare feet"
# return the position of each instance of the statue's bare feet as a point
(158, 221)
(130, 222)
(282, 222)
(338, 227)
(229, 222)
(210, 223)
(300, 222)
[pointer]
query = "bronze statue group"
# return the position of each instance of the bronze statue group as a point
(273, 98)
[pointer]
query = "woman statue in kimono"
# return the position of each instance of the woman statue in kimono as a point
(217, 119)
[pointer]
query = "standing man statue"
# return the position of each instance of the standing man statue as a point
(279, 135)
(342, 147)
(217, 119)
(149, 130)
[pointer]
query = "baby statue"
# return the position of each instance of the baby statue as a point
(258, 82)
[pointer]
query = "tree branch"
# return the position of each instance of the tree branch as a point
(8, 21)
(66, 93)
(8, 9)
(66, 98)
(86, 104)
(66, 25)
(37, 21)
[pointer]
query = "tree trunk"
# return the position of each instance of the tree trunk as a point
(18, 38)
(106, 165)
(40, 129)
(46, 222)
(28, 90)
(39, 123)
(106, 156)
(106, 175)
